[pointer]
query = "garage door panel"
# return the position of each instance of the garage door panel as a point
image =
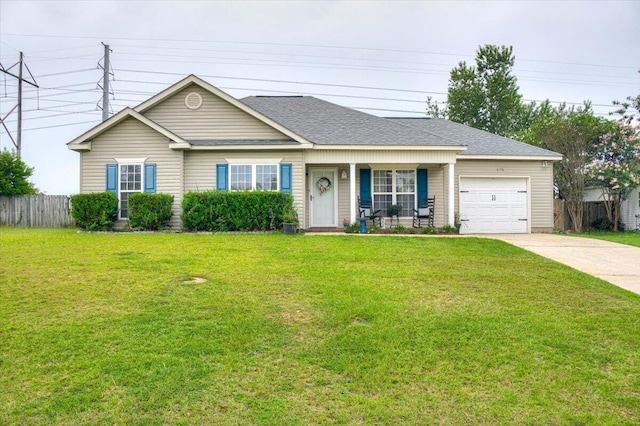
(502, 212)
(493, 205)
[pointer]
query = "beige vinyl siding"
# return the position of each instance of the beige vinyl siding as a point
(215, 119)
(200, 170)
(540, 184)
(436, 179)
(132, 139)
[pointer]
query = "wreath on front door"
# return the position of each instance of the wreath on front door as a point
(323, 184)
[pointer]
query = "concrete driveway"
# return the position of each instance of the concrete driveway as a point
(617, 263)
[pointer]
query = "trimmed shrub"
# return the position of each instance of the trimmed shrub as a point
(449, 229)
(149, 212)
(352, 228)
(97, 211)
(216, 211)
(399, 229)
(429, 230)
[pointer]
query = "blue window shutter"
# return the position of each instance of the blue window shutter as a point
(150, 178)
(112, 178)
(221, 177)
(422, 182)
(285, 177)
(365, 184)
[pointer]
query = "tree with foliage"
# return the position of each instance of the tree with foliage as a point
(616, 167)
(14, 174)
(627, 107)
(484, 96)
(572, 133)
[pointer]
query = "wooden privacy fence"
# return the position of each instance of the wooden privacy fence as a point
(36, 211)
(592, 210)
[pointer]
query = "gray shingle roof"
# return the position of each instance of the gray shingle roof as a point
(478, 142)
(325, 123)
(214, 142)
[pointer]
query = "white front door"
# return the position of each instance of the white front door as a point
(323, 198)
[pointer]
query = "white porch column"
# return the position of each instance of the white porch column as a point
(352, 192)
(450, 203)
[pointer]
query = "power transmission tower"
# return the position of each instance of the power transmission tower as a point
(17, 142)
(106, 67)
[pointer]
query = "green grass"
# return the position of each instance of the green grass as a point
(630, 238)
(103, 329)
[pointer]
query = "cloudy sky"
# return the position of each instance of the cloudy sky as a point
(383, 57)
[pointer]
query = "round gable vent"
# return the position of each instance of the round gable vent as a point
(193, 100)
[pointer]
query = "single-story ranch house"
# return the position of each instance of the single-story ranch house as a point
(193, 137)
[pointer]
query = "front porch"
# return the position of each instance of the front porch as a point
(332, 192)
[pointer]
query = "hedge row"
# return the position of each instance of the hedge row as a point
(212, 211)
(235, 211)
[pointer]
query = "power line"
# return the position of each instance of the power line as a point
(147, 93)
(286, 81)
(63, 48)
(62, 125)
(381, 69)
(55, 115)
(316, 46)
(66, 72)
(422, 92)
(342, 65)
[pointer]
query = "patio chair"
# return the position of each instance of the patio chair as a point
(424, 212)
(366, 211)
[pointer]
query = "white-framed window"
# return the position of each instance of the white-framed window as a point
(253, 177)
(395, 186)
(129, 180)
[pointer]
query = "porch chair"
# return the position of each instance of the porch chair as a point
(366, 211)
(424, 212)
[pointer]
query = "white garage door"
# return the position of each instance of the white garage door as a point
(493, 205)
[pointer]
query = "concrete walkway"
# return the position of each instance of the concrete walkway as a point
(617, 263)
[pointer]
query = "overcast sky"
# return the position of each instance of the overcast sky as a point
(386, 56)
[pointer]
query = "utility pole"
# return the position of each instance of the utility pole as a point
(105, 82)
(17, 142)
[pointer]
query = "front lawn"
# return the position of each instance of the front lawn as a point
(630, 238)
(111, 329)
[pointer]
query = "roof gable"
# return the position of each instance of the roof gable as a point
(194, 80)
(212, 119)
(81, 142)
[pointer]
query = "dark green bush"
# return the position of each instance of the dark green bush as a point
(235, 211)
(604, 224)
(149, 212)
(97, 211)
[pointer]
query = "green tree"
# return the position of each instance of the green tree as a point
(616, 168)
(14, 174)
(485, 96)
(573, 133)
(629, 109)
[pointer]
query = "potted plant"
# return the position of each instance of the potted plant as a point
(290, 223)
(394, 210)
